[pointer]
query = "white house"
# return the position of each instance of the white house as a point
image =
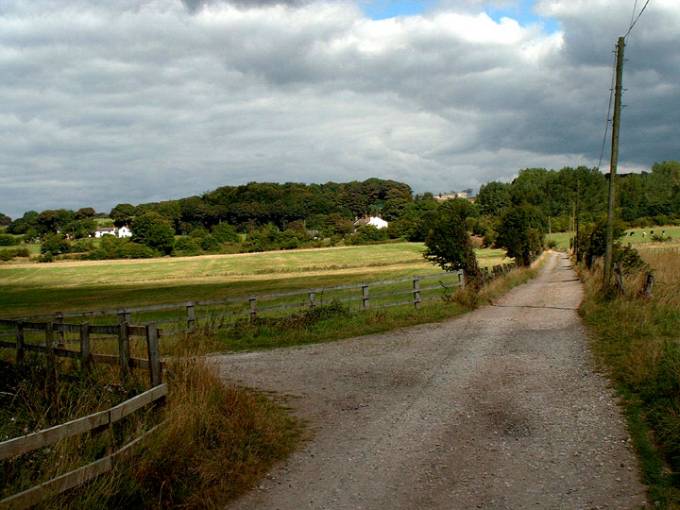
(104, 231)
(123, 231)
(374, 221)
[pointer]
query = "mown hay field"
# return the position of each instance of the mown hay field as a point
(33, 289)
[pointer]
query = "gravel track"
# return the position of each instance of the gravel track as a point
(498, 409)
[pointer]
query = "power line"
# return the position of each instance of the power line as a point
(609, 111)
(634, 22)
(632, 16)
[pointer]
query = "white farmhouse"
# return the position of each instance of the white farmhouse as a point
(124, 231)
(373, 221)
(104, 231)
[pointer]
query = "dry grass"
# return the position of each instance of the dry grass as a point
(215, 443)
(637, 341)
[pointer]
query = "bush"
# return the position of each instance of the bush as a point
(186, 246)
(660, 238)
(8, 240)
(6, 255)
(198, 233)
(448, 243)
(55, 244)
(82, 246)
(521, 233)
(628, 259)
(551, 244)
(210, 243)
(367, 234)
(225, 233)
(114, 248)
(593, 239)
(154, 231)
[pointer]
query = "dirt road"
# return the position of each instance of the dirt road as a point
(498, 409)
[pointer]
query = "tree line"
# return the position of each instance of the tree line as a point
(265, 216)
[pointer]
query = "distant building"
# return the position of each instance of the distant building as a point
(105, 231)
(373, 221)
(123, 231)
(452, 195)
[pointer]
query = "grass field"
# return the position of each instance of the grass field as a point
(562, 238)
(32, 289)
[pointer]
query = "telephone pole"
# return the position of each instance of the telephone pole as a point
(577, 243)
(616, 124)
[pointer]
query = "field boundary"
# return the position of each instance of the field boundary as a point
(51, 349)
(95, 422)
(253, 305)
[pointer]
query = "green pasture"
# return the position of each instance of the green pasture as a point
(562, 238)
(36, 289)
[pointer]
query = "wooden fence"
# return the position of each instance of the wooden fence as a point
(53, 347)
(96, 422)
(364, 296)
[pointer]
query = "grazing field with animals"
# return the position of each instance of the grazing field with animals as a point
(665, 235)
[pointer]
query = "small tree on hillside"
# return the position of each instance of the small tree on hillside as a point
(154, 231)
(521, 233)
(448, 243)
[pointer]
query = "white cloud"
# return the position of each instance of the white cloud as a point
(126, 101)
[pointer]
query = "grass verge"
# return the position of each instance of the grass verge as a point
(215, 443)
(334, 321)
(636, 341)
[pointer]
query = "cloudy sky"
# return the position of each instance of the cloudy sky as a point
(141, 100)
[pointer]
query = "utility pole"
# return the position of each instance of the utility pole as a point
(614, 163)
(577, 246)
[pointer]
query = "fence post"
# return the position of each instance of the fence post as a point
(85, 346)
(59, 319)
(253, 308)
(154, 354)
(124, 351)
(416, 291)
(20, 342)
(123, 316)
(364, 297)
(461, 278)
(312, 299)
(618, 279)
(649, 284)
(191, 317)
(51, 378)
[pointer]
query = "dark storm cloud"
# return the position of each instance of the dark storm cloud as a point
(126, 101)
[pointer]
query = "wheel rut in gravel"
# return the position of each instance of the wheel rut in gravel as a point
(500, 408)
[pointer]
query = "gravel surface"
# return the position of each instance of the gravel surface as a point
(498, 409)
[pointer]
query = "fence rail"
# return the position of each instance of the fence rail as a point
(93, 422)
(54, 349)
(186, 318)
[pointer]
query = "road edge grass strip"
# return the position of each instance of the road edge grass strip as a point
(216, 442)
(335, 322)
(631, 345)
